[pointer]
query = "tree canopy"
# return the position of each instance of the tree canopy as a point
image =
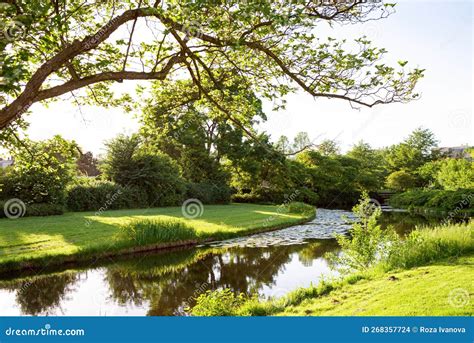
(52, 48)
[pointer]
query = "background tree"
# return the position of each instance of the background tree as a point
(417, 149)
(371, 174)
(283, 145)
(131, 164)
(301, 142)
(88, 165)
(456, 174)
(328, 147)
(401, 181)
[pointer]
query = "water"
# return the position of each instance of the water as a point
(270, 264)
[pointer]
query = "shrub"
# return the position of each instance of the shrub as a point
(130, 164)
(152, 231)
(218, 303)
(40, 175)
(93, 195)
(299, 208)
(209, 192)
(367, 244)
(307, 196)
(456, 174)
(247, 198)
(441, 199)
(401, 181)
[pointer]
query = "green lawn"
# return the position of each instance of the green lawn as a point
(443, 289)
(36, 241)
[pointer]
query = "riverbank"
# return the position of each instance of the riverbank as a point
(428, 273)
(443, 289)
(40, 242)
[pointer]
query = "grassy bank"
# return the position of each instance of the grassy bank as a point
(443, 289)
(41, 241)
(428, 273)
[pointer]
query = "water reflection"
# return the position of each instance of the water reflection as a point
(269, 264)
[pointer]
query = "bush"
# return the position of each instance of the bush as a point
(367, 244)
(218, 303)
(299, 208)
(209, 192)
(456, 174)
(31, 210)
(152, 231)
(247, 198)
(42, 178)
(439, 199)
(307, 196)
(94, 195)
(401, 181)
(130, 164)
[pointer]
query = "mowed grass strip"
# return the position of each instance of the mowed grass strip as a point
(33, 239)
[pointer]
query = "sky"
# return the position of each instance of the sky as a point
(434, 35)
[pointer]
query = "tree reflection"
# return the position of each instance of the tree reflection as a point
(243, 270)
(43, 295)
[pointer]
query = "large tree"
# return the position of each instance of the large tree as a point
(52, 48)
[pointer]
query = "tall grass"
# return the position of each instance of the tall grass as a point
(152, 231)
(426, 245)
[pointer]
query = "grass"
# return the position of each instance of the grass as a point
(436, 290)
(427, 245)
(35, 242)
(144, 232)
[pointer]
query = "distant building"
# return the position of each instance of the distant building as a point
(457, 152)
(5, 163)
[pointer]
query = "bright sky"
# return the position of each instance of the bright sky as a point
(434, 35)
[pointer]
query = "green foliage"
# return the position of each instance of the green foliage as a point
(372, 172)
(41, 172)
(456, 174)
(401, 181)
(425, 245)
(416, 150)
(95, 194)
(151, 231)
(193, 132)
(208, 192)
(299, 208)
(437, 199)
(218, 303)
(328, 147)
(131, 164)
(333, 178)
(366, 244)
(326, 66)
